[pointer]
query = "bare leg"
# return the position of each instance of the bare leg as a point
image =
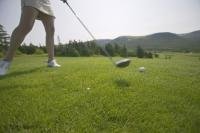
(27, 20)
(48, 23)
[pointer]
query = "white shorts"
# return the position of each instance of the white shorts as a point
(43, 6)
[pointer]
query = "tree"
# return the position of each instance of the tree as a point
(124, 51)
(71, 49)
(156, 55)
(60, 50)
(117, 49)
(31, 49)
(140, 52)
(84, 51)
(43, 48)
(4, 39)
(39, 51)
(148, 55)
(72, 52)
(110, 49)
(96, 48)
(93, 48)
(131, 53)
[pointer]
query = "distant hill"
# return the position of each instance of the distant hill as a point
(193, 35)
(103, 41)
(160, 41)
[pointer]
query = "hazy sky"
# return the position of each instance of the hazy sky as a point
(109, 18)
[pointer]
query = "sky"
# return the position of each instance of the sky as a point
(108, 19)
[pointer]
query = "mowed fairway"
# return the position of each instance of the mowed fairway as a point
(163, 99)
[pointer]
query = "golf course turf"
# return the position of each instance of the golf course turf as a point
(163, 99)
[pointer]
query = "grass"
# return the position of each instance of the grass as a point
(163, 99)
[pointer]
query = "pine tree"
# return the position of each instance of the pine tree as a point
(110, 49)
(4, 39)
(140, 52)
(124, 51)
(117, 49)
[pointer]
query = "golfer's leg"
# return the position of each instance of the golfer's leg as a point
(27, 20)
(48, 23)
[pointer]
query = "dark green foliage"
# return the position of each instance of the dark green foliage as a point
(60, 50)
(168, 57)
(31, 49)
(76, 49)
(84, 50)
(72, 52)
(43, 48)
(39, 51)
(102, 51)
(4, 39)
(94, 48)
(156, 55)
(18, 53)
(148, 55)
(124, 51)
(110, 49)
(131, 54)
(117, 49)
(140, 53)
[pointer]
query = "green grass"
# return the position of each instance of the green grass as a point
(163, 99)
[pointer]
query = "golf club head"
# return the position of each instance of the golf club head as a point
(123, 63)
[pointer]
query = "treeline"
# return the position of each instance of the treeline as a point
(85, 49)
(74, 48)
(141, 53)
(31, 49)
(89, 48)
(77, 49)
(4, 40)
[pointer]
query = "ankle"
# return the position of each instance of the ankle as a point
(49, 60)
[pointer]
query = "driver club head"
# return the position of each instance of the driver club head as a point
(123, 63)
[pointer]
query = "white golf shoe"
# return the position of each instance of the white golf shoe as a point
(4, 66)
(53, 63)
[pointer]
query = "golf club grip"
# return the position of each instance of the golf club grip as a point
(105, 51)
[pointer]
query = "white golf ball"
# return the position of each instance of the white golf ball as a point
(141, 69)
(88, 88)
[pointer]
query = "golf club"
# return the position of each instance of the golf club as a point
(121, 63)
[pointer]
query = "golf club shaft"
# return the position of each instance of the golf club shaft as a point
(85, 27)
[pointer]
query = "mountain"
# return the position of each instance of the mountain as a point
(161, 41)
(192, 35)
(103, 41)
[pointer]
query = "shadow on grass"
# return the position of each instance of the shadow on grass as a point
(19, 73)
(122, 83)
(17, 127)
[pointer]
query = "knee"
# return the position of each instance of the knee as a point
(25, 29)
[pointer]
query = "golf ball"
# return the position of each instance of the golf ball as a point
(88, 88)
(141, 69)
